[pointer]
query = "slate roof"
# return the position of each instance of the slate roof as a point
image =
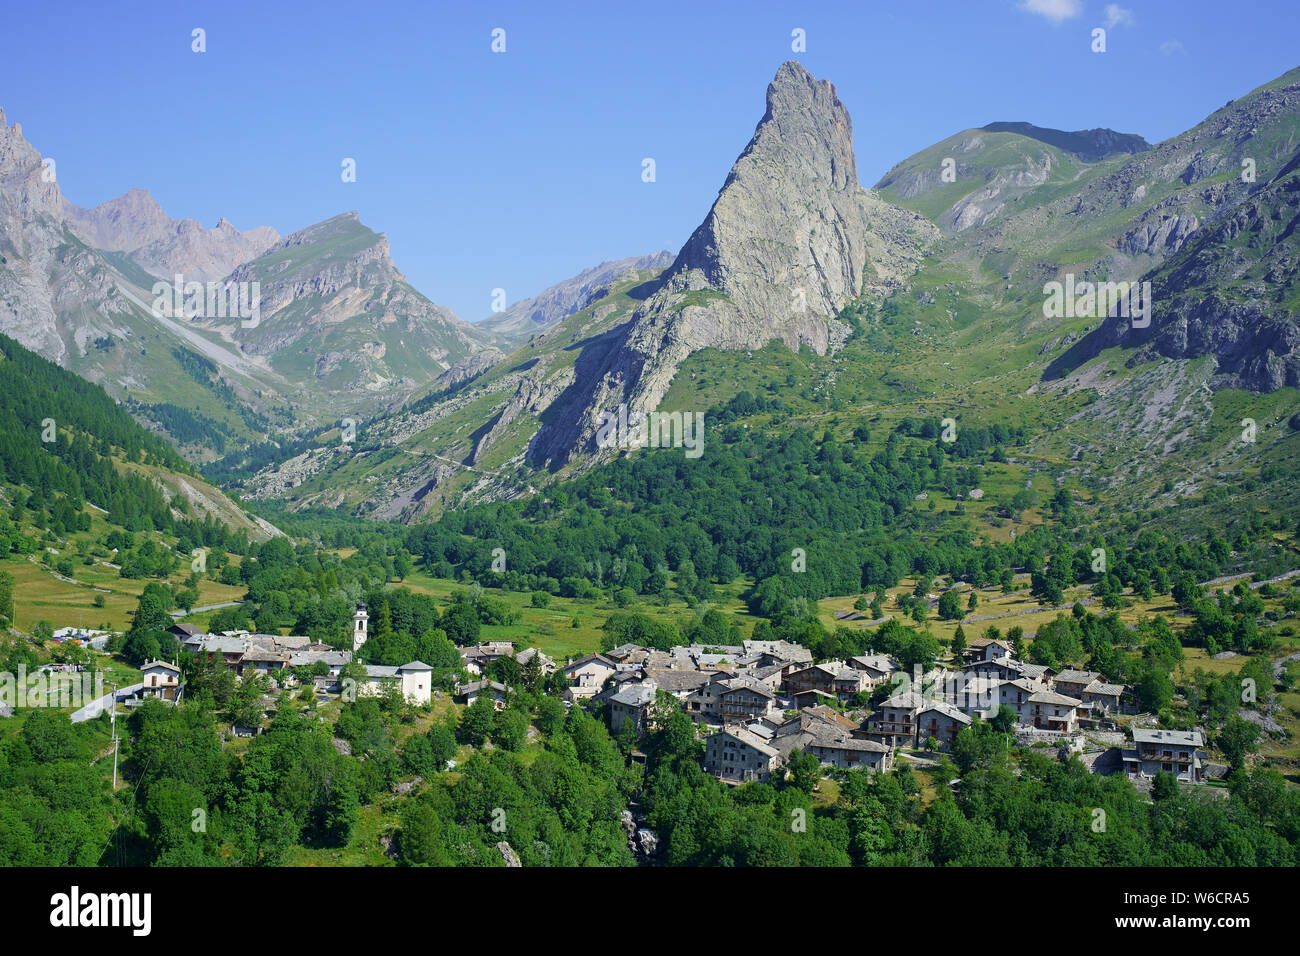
(479, 686)
(945, 708)
(676, 681)
(825, 735)
(528, 653)
(1051, 697)
(910, 699)
(589, 658)
(751, 739)
(780, 649)
(1077, 677)
(1177, 738)
(225, 645)
(636, 695)
(743, 682)
(1024, 684)
(304, 658)
(759, 673)
(879, 662)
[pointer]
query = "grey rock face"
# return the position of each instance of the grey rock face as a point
(332, 291)
(535, 392)
(470, 367)
(791, 239)
(1158, 234)
(508, 854)
(1224, 294)
(124, 224)
(785, 239)
(55, 293)
(983, 204)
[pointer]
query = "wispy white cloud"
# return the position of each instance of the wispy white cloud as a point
(1054, 10)
(1115, 15)
(1172, 47)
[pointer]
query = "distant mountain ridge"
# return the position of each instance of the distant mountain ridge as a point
(1090, 145)
(337, 313)
(341, 332)
(134, 223)
(563, 299)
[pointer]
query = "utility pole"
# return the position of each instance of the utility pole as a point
(113, 720)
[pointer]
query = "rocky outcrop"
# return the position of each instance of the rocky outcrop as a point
(785, 240)
(1159, 234)
(470, 367)
(982, 205)
(1224, 295)
(508, 855)
(791, 239)
(124, 224)
(535, 393)
(56, 295)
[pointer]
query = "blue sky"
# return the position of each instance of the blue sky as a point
(518, 169)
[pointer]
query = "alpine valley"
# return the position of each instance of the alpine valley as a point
(1029, 406)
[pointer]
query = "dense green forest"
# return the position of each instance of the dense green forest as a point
(192, 802)
(59, 433)
(753, 504)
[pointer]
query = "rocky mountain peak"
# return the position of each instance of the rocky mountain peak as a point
(136, 224)
(331, 295)
(785, 234)
(791, 239)
(25, 190)
(784, 239)
(806, 114)
(122, 224)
